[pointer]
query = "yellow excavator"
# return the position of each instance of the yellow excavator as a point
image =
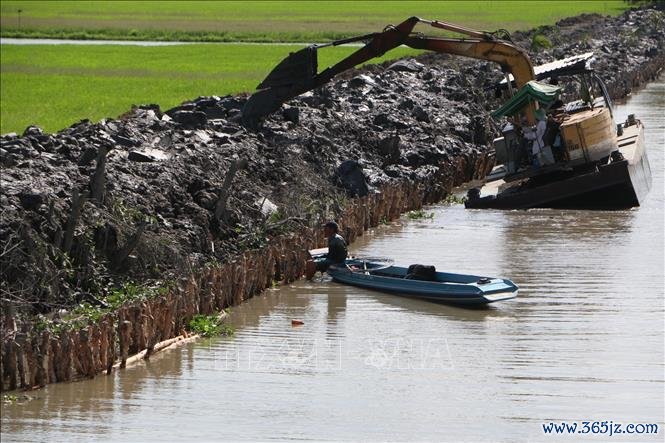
(588, 141)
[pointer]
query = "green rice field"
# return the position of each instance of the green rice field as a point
(54, 86)
(269, 21)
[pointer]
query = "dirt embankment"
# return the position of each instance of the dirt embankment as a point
(201, 213)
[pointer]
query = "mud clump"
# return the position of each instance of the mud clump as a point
(153, 196)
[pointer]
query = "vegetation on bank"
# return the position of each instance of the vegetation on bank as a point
(454, 199)
(209, 326)
(270, 21)
(55, 86)
(419, 214)
(93, 308)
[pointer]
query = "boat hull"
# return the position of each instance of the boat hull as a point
(454, 289)
(620, 184)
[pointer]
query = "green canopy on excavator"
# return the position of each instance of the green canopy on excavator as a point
(533, 91)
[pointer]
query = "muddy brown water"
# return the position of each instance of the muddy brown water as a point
(583, 341)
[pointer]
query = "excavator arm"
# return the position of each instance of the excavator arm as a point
(511, 58)
(481, 45)
(297, 73)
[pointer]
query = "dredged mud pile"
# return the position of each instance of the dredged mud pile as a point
(152, 196)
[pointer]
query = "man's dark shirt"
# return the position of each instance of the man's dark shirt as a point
(336, 249)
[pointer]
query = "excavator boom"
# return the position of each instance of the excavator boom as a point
(297, 73)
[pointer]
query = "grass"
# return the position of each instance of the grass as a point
(269, 21)
(209, 326)
(419, 214)
(55, 86)
(453, 199)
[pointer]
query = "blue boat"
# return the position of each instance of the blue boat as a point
(456, 289)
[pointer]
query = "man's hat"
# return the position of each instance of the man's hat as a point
(332, 225)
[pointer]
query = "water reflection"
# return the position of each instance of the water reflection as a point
(422, 307)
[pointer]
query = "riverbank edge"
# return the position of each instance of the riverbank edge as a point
(30, 361)
(138, 330)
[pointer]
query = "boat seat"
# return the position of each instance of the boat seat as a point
(421, 272)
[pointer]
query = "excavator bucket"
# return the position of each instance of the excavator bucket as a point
(291, 77)
(298, 67)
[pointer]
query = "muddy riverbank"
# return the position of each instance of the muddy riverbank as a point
(200, 213)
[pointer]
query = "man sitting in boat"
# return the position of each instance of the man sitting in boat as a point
(337, 252)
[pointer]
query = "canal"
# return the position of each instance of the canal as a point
(582, 342)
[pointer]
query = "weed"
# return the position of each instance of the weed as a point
(453, 199)
(657, 20)
(212, 262)
(539, 41)
(129, 214)
(275, 217)
(419, 214)
(130, 292)
(9, 398)
(276, 224)
(228, 330)
(209, 326)
(250, 237)
(630, 37)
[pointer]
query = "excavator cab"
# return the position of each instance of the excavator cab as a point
(512, 149)
(579, 133)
